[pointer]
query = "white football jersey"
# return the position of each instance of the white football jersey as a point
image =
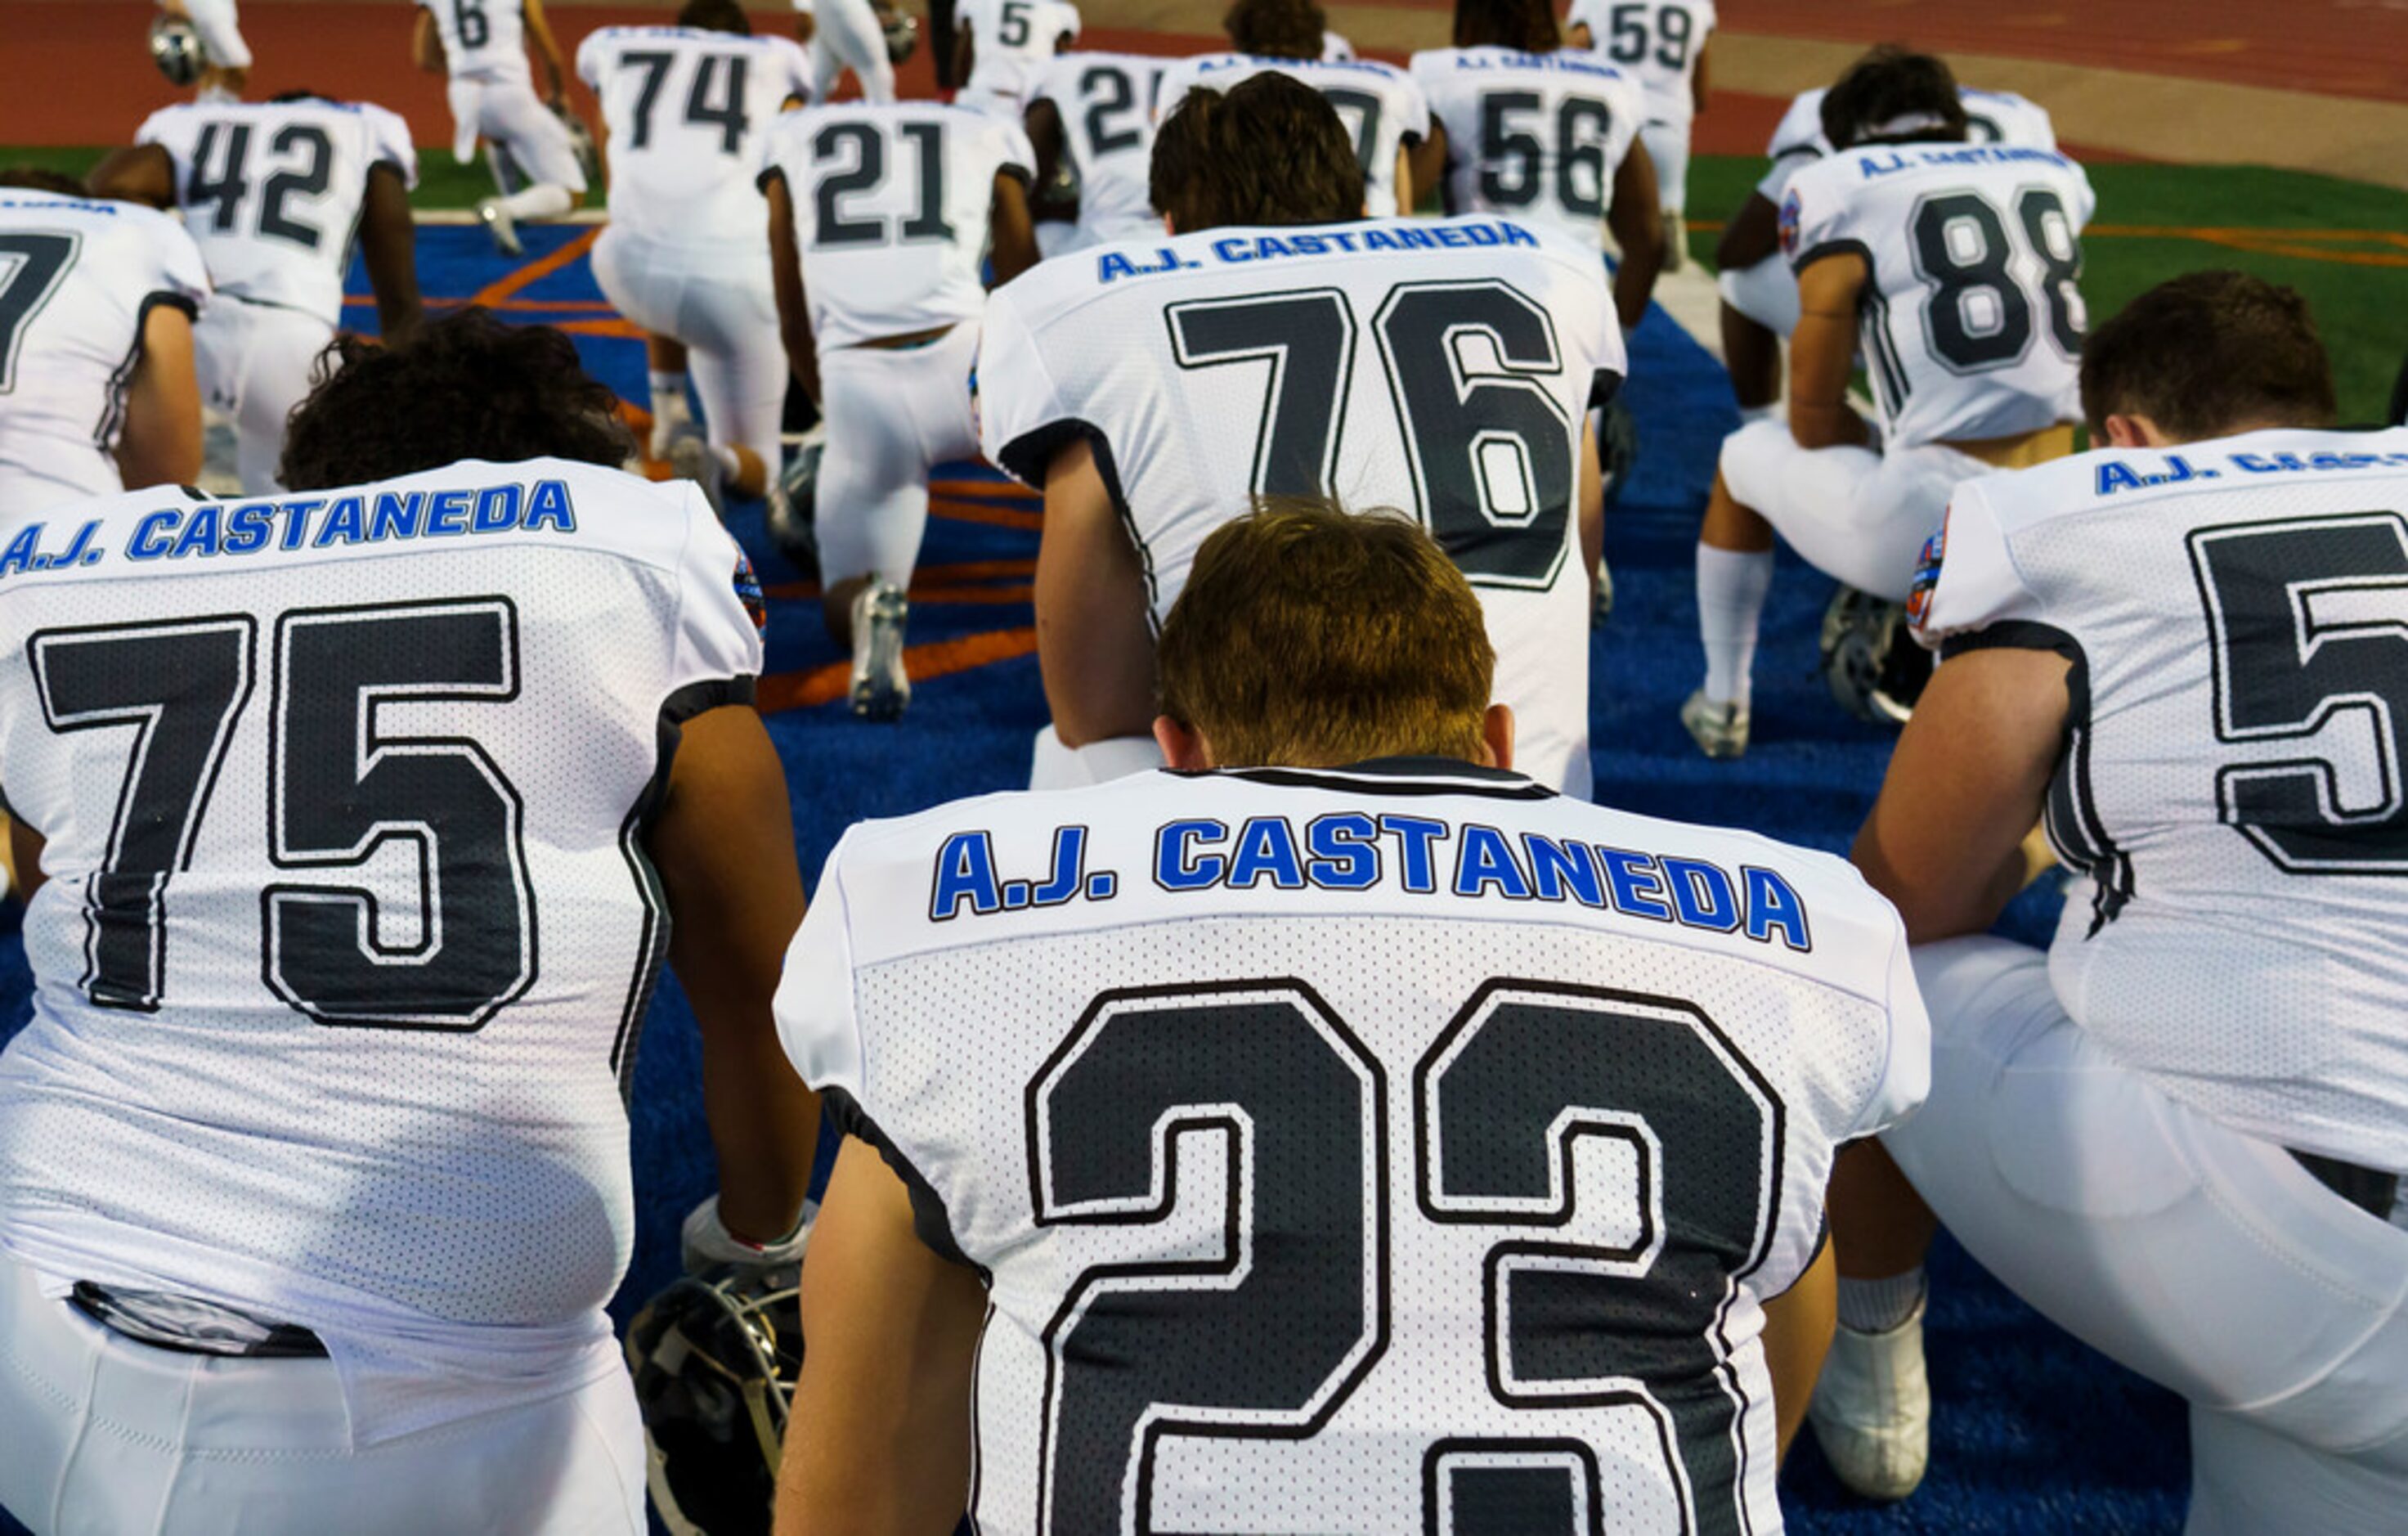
(78, 278)
(1106, 105)
(1655, 41)
(1388, 1149)
(1379, 104)
(2230, 789)
(1444, 367)
(1991, 117)
(483, 39)
(1971, 317)
(891, 211)
(1537, 136)
(688, 113)
(273, 190)
(1013, 41)
(1335, 49)
(348, 929)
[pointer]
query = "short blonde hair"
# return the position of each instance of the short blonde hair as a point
(1309, 636)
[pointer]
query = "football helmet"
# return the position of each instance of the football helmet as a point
(902, 31)
(715, 1358)
(793, 505)
(176, 48)
(1870, 660)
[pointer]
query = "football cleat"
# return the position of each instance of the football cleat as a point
(1871, 1410)
(715, 1358)
(1720, 730)
(501, 227)
(794, 504)
(176, 48)
(1872, 664)
(880, 687)
(690, 457)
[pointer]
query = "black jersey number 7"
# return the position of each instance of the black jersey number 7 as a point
(1489, 448)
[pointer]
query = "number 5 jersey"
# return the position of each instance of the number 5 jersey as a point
(2233, 790)
(1393, 1148)
(347, 926)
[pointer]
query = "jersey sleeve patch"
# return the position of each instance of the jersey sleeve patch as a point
(748, 591)
(1792, 215)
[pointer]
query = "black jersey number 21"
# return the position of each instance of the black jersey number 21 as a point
(1267, 1333)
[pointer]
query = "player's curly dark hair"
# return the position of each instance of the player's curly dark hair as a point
(715, 16)
(2208, 354)
(1889, 83)
(462, 387)
(1529, 26)
(40, 178)
(1276, 29)
(1270, 150)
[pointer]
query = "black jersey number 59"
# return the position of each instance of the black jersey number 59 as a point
(1283, 1313)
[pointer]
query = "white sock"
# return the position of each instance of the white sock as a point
(1731, 588)
(1877, 1306)
(668, 394)
(544, 200)
(726, 454)
(1750, 415)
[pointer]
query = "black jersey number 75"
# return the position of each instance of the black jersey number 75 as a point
(1474, 376)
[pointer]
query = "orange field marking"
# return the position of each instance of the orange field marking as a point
(934, 583)
(536, 270)
(938, 658)
(993, 516)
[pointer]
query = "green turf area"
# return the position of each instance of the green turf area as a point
(2358, 306)
(443, 182)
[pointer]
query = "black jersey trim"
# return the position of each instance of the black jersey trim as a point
(1394, 776)
(1027, 457)
(930, 1221)
(1603, 385)
(2013, 635)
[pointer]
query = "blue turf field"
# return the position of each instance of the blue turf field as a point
(2033, 1433)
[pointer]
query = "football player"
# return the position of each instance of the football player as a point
(97, 307)
(1094, 112)
(365, 818)
(1386, 115)
(845, 35)
(879, 220)
(1759, 291)
(1341, 1132)
(685, 111)
(1001, 46)
(276, 192)
(1441, 367)
(1546, 136)
(1956, 266)
(1665, 45)
(227, 69)
(483, 44)
(2178, 1133)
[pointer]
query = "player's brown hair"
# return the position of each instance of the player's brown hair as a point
(462, 387)
(1276, 29)
(1529, 26)
(1890, 83)
(2207, 354)
(1270, 150)
(715, 16)
(1309, 636)
(41, 178)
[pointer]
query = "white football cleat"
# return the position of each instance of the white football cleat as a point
(1720, 730)
(1871, 1411)
(880, 687)
(501, 227)
(691, 457)
(1676, 241)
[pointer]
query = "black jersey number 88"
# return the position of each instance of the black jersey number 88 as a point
(1268, 1337)
(1979, 315)
(1490, 452)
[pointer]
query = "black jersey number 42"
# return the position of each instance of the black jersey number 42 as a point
(1268, 1332)
(1473, 371)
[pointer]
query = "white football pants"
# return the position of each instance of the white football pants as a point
(2211, 1263)
(718, 301)
(101, 1435)
(254, 362)
(893, 415)
(1853, 513)
(845, 35)
(507, 113)
(1668, 145)
(1766, 292)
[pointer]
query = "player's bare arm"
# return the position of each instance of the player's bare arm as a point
(1636, 216)
(886, 1387)
(965, 53)
(1945, 842)
(162, 441)
(724, 848)
(1700, 87)
(1425, 165)
(547, 47)
(389, 247)
(138, 173)
(786, 279)
(1042, 122)
(1797, 1327)
(1013, 231)
(1094, 644)
(426, 44)
(1823, 350)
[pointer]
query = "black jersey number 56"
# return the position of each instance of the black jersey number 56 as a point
(1259, 1091)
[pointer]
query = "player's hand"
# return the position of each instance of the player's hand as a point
(705, 1241)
